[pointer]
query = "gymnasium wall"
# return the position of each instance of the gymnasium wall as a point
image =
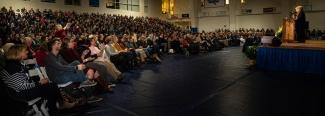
(233, 16)
(154, 7)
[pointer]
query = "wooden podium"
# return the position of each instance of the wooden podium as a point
(288, 28)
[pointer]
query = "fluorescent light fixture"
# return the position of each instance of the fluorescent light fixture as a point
(227, 1)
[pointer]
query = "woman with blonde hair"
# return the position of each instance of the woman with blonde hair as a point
(60, 31)
(16, 78)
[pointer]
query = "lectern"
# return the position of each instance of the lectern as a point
(288, 34)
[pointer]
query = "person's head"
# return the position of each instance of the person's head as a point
(299, 9)
(17, 52)
(93, 40)
(70, 43)
(114, 39)
(7, 46)
(101, 37)
(54, 44)
(58, 27)
(28, 41)
(107, 39)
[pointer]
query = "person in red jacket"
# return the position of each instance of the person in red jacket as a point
(60, 32)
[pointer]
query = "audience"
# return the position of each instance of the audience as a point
(316, 34)
(101, 47)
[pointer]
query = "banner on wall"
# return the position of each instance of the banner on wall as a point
(214, 3)
(269, 10)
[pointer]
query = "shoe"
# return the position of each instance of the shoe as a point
(111, 85)
(109, 88)
(87, 83)
(120, 77)
(158, 61)
(66, 105)
(94, 99)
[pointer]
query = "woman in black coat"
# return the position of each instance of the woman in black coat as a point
(300, 23)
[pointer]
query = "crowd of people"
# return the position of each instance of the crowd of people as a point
(316, 34)
(93, 50)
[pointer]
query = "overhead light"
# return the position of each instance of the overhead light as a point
(242, 1)
(227, 1)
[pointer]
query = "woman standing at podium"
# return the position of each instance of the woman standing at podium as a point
(300, 24)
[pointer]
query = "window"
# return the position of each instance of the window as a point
(146, 6)
(135, 5)
(110, 4)
(68, 2)
(130, 5)
(167, 7)
(51, 1)
(72, 2)
(94, 3)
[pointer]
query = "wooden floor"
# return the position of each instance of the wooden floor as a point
(315, 42)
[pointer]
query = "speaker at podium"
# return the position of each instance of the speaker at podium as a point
(288, 34)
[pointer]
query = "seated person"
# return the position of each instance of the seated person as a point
(139, 49)
(153, 49)
(97, 70)
(184, 45)
(24, 87)
(121, 58)
(40, 54)
(28, 41)
(100, 59)
(60, 71)
(60, 31)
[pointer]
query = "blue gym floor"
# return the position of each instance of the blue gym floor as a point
(210, 84)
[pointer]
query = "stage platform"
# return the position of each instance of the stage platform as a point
(309, 44)
(294, 57)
